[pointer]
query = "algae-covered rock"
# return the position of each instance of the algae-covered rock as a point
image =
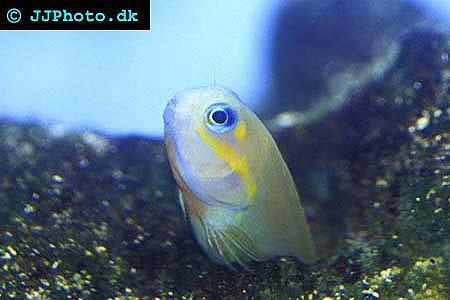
(84, 216)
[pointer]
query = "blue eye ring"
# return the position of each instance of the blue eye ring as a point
(220, 117)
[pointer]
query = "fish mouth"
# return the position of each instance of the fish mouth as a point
(169, 114)
(177, 117)
(169, 121)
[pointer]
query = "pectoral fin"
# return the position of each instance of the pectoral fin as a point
(182, 204)
(229, 245)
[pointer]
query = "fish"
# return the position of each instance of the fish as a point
(233, 185)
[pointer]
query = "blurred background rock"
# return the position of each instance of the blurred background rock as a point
(324, 50)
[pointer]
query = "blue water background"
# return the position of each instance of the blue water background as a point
(119, 82)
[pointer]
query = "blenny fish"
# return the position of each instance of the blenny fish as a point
(233, 183)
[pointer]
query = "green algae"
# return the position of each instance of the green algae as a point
(85, 216)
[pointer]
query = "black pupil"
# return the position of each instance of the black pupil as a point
(219, 116)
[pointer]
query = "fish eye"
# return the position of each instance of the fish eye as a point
(220, 117)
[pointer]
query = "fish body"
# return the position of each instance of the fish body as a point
(234, 185)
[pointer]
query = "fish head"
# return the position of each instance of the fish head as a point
(206, 133)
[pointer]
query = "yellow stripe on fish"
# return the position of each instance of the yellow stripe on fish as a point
(237, 163)
(240, 132)
(234, 185)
